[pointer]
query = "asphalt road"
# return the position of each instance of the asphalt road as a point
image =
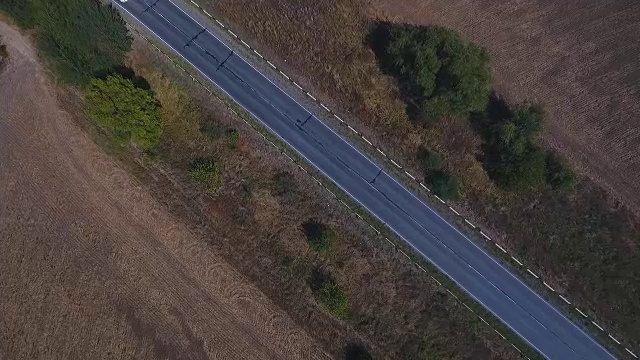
(484, 278)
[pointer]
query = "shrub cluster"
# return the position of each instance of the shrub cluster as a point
(513, 158)
(442, 183)
(439, 72)
(328, 293)
(320, 236)
(205, 171)
(282, 184)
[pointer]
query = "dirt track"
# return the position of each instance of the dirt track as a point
(92, 267)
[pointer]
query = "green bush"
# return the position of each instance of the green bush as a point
(232, 136)
(212, 131)
(282, 184)
(559, 175)
(445, 185)
(206, 172)
(439, 72)
(430, 160)
(319, 235)
(79, 38)
(126, 111)
(514, 159)
(21, 11)
(328, 293)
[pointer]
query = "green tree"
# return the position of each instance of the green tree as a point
(206, 172)
(439, 70)
(320, 236)
(79, 38)
(515, 160)
(127, 112)
(559, 175)
(21, 11)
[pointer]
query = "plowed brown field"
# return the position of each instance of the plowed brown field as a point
(93, 267)
(578, 58)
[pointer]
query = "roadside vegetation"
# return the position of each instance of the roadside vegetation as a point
(439, 73)
(205, 172)
(127, 112)
(320, 236)
(553, 219)
(80, 39)
(329, 293)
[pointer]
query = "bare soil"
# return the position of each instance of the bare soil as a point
(94, 267)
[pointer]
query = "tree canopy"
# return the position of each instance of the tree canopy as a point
(440, 73)
(516, 161)
(126, 111)
(80, 38)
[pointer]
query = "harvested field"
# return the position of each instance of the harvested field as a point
(93, 267)
(579, 60)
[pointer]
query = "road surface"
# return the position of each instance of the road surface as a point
(484, 278)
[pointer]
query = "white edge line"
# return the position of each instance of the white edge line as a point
(485, 236)
(614, 339)
(596, 325)
(501, 248)
(581, 313)
(368, 142)
(532, 273)
(516, 260)
(454, 211)
(631, 352)
(470, 224)
(395, 163)
(409, 175)
(564, 299)
(548, 286)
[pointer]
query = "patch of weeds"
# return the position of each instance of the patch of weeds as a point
(212, 131)
(206, 172)
(328, 293)
(319, 236)
(232, 137)
(282, 183)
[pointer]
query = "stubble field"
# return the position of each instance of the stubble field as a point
(94, 267)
